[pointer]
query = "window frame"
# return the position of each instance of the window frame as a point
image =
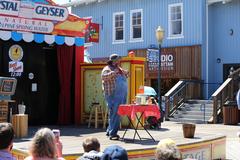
(114, 41)
(131, 26)
(170, 34)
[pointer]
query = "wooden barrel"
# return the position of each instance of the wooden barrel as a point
(188, 130)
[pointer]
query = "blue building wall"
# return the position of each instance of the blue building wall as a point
(222, 45)
(155, 12)
(208, 26)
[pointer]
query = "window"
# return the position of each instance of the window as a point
(136, 29)
(175, 20)
(118, 27)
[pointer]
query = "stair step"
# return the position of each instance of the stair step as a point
(195, 111)
(183, 120)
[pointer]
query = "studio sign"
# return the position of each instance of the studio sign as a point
(40, 11)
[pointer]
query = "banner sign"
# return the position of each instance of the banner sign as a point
(38, 11)
(42, 16)
(167, 60)
(27, 25)
(9, 7)
(92, 33)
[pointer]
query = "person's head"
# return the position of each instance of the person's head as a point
(6, 136)
(167, 150)
(90, 144)
(114, 152)
(114, 60)
(43, 144)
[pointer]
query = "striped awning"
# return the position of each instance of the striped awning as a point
(40, 38)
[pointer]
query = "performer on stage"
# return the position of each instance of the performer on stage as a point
(114, 80)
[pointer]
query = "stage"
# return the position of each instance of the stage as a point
(205, 145)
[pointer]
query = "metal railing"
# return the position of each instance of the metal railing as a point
(223, 93)
(179, 93)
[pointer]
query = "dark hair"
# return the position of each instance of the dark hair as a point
(90, 144)
(6, 135)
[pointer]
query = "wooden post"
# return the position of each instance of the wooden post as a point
(215, 110)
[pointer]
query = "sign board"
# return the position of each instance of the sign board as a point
(9, 7)
(39, 11)
(28, 25)
(167, 60)
(42, 16)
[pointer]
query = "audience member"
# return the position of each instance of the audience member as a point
(167, 150)
(6, 141)
(91, 148)
(114, 152)
(43, 146)
(238, 97)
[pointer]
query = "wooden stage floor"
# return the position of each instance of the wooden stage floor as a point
(72, 136)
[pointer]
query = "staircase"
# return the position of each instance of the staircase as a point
(193, 111)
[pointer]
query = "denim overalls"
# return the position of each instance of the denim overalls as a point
(119, 96)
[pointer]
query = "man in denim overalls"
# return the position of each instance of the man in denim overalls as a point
(114, 80)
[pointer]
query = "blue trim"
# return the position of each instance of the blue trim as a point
(16, 36)
(38, 38)
(59, 40)
(79, 41)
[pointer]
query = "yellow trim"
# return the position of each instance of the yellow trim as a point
(133, 58)
(142, 152)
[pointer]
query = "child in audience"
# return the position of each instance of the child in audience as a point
(91, 148)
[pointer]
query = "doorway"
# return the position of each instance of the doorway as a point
(38, 85)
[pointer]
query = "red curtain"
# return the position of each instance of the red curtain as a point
(65, 63)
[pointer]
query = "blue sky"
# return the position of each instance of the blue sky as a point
(61, 1)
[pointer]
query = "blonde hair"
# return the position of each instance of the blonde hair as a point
(167, 150)
(43, 144)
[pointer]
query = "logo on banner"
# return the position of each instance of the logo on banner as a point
(15, 66)
(167, 60)
(26, 8)
(30, 25)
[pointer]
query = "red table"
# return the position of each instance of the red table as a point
(131, 110)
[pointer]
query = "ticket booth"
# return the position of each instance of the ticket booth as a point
(91, 84)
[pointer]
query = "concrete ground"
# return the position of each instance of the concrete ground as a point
(72, 137)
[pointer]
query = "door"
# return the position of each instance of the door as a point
(38, 86)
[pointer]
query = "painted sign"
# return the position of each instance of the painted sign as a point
(15, 66)
(167, 60)
(28, 25)
(48, 12)
(39, 11)
(92, 33)
(40, 17)
(9, 7)
(15, 53)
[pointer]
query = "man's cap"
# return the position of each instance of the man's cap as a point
(114, 57)
(114, 152)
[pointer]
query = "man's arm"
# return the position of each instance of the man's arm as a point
(107, 74)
